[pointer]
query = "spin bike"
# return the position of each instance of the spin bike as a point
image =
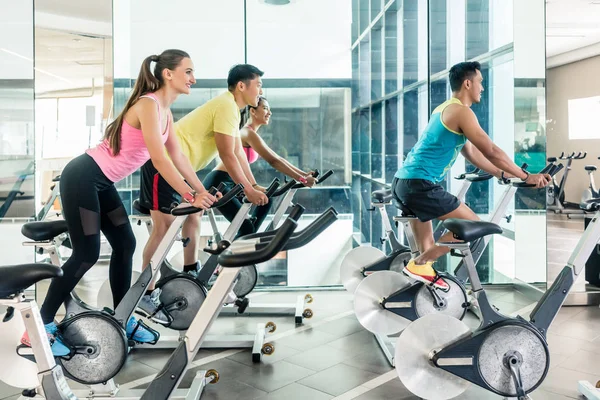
(591, 193)
(386, 302)
(364, 260)
(555, 193)
(507, 356)
(43, 373)
(299, 309)
(164, 385)
(97, 339)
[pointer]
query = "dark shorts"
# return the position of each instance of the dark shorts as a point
(155, 192)
(427, 200)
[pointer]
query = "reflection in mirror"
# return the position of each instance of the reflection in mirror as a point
(574, 139)
(16, 112)
(73, 87)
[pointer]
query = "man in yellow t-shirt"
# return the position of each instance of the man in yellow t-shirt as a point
(210, 130)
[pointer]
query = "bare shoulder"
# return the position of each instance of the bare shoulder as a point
(143, 106)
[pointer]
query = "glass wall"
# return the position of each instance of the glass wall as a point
(307, 85)
(401, 58)
(16, 111)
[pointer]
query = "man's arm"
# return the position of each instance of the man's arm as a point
(181, 162)
(226, 145)
(468, 124)
(243, 161)
(475, 157)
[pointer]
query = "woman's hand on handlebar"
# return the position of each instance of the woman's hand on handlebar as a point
(204, 200)
(310, 181)
(256, 197)
(539, 180)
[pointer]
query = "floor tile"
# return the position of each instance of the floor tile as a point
(563, 381)
(306, 340)
(392, 390)
(319, 358)
(584, 361)
(296, 391)
(373, 361)
(338, 379)
(578, 330)
(133, 370)
(271, 377)
(353, 343)
(342, 327)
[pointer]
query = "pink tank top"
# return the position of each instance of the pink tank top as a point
(133, 154)
(251, 154)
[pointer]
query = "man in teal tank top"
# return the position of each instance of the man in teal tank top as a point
(452, 129)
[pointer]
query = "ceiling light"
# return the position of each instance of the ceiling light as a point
(277, 2)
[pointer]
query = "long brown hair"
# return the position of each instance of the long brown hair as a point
(147, 82)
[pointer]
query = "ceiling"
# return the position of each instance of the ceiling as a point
(67, 61)
(97, 10)
(571, 24)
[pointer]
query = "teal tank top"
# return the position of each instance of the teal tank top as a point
(435, 151)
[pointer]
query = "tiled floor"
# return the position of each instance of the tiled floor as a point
(332, 357)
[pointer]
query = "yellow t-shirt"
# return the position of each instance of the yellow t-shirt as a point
(196, 131)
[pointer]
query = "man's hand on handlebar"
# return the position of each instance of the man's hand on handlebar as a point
(256, 197)
(539, 180)
(204, 200)
(260, 188)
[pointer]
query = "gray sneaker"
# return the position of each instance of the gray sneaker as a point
(148, 305)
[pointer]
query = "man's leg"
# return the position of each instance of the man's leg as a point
(421, 268)
(191, 230)
(160, 224)
(435, 252)
(423, 233)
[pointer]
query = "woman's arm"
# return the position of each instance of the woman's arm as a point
(275, 160)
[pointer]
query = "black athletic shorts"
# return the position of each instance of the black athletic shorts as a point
(155, 192)
(427, 200)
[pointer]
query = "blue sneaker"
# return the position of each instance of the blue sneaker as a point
(139, 332)
(56, 345)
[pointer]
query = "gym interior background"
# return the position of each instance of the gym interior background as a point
(351, 84)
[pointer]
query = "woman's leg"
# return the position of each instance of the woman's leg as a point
(81, 210)
(115, 225)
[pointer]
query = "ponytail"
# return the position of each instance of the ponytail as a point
(147, 82)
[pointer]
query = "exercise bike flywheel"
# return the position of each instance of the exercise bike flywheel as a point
(101, 347)
(415, 347)
(351, 268)
(519, 340)
(181, 298)
(367, 302)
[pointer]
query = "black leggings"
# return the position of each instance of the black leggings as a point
(229, 210)
(90, 204)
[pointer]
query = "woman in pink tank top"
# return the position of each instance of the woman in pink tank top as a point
(254, 147)
(90, 201)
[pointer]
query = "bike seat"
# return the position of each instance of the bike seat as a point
(44, 230)
(140, 208)
(468, 231)
(382, 196)
(551, 159)
(590, 168)
(590, 205)
(406, 213)
(16, 278)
